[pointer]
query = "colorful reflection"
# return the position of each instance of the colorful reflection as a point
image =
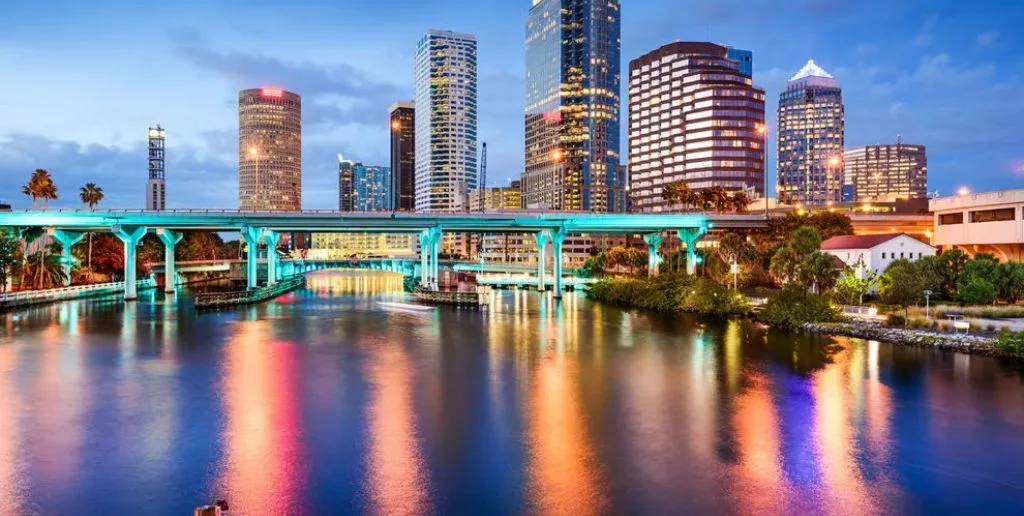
(335, 283)
(12, 478)
(263, 467)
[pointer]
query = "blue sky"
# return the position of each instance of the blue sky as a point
(84, 81)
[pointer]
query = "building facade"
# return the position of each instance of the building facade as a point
(402, 120)
(880, 173)
(446, 121)
(572, 107)
(156, 186)
(269, 150)
(990, 222)
(874, 253)
(335, 246)
(363, 187)
(497, 198)
(811, 136)
(694, 117)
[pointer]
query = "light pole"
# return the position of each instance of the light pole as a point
(927, 305)
(762, 129)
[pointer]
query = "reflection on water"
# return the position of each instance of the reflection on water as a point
(321, 402)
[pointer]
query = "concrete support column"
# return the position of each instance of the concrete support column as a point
(542, 243)
(272, 238)
(252, 238)
(653, 241)
(435, 251)
(424, 252)
(169, 239)
(557, 239)
(130, 236)
(689, 238)
(66, 239)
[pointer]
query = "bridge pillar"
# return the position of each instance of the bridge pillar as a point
(424, 251)
(272, 238)
(130, 236)
(66, 239)
(653, 241)
(542, 243)
(435, 251)
(557, 239)
(252, 237)
(689, 237)
(169, 239)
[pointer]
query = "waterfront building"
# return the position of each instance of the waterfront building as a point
(402, 121)
(811, 136)
(336, 246)
(989, 222)
(695, 116)
(877, 173)
(572, 107)
(363, 187)
(269, 150)
(156, 187)
(446, 122)
(875, 253)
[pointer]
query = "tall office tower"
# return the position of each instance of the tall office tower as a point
(572, 106)
(811, 138)
(269, 150)
(445, 136)
(363, 188)
(497, 198)
(885, 173)
(156, 187)
(402, 119)
(694, 116)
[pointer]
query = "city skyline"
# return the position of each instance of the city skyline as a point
(934, 73)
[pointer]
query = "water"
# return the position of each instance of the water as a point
(321, 402)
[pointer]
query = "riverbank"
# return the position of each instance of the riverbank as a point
(959, 342)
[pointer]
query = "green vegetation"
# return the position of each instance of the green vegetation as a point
(40, 188)
(1011, 342)
(91, 195)
(793, 306)
(10, 257)
(670, 292)
(716, 198)
(851, 290)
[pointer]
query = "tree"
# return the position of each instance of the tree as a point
(850, 289)
(787, 263)
(952, 263)
(91, 195)
(1011, 284)
(40, 186)
(47, 268)
(902, 285)
(740, 201)
(10, 257)
(818, 272)
(976, 290)
(719, 198)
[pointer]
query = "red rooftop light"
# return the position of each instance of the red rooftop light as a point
(271, 92)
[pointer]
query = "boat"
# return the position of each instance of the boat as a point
(406, 306)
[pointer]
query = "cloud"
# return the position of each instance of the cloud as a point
(986, 39)
(925, 35)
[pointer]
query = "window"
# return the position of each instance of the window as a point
(920, 255)
(951, 218)
(883, 256)
(901, 256)
(999, 215)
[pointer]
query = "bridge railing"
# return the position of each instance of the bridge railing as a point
(70, 292)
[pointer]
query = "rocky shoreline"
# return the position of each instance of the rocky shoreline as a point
(962, 343)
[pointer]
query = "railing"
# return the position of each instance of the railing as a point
(71, 292)
(244, 297)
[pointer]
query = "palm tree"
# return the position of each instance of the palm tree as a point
(740, 201)
(687, 197)
(719, 198)
(40, 186)
(91, 195)
(670, 193)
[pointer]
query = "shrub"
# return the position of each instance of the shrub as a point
(976, 291)
(709, 298)
(918, 323)
(791, 307)
(1011, 342)
(896, 320)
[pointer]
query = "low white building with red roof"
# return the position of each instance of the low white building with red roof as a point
(875, 252)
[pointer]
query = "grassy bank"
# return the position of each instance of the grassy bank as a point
(671, 292)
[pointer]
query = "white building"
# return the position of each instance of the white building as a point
(875, 252)
(446, 120)
(990, 222)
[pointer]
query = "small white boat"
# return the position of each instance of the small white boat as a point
(405, 306)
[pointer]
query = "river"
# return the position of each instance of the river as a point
(322, 402)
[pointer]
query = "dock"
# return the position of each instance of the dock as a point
(215, 300)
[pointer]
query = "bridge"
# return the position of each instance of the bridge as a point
(68, 227)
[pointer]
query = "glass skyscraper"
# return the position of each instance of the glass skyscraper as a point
(572, 106)
(362, 187)
(811, 138)
(269, 150)
(446, 120)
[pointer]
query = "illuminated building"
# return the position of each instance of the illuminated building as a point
(572, 107)
(333, 246)
(402, 121)
(446, 121)
(269, 150)
(362, 187)
(811, 138)
(989, 222)
(156, 187)
(878, 173)
(694, 116)
(496, 198)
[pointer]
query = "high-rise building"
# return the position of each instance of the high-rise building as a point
(885, 173)
(402, 119)
(496, 198)
(269, 150)
(362, 187)
(572, 106)
(156, 187)
(694, 116)
(811, 138)
(445, 121)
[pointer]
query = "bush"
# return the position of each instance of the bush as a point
(1010, 342)
(670, 292)
(708, 298)
(791, 307)
(918, 324)
(896, 320)
(976, 291)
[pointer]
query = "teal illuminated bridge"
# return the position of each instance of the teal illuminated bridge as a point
(67, 227)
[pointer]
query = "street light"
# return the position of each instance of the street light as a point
(927, 305)
(762, 129)
(963, 191)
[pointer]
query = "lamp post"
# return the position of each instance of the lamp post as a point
(927, 305)
(762, 129)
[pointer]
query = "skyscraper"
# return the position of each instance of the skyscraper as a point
(694, 115)
(884, 173)
(363, 188)
(402, 120)
(811, 138)
(445, 139)
(572, 106)
(269, 150)
(156, 188)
